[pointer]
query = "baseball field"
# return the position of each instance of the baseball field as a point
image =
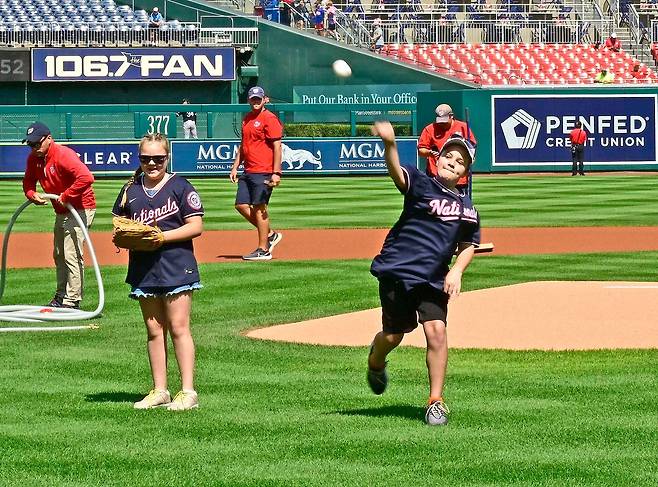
(281, 414)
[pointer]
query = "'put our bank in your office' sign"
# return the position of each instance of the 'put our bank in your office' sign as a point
(133, 64)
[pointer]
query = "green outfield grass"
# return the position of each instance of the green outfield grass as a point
(278, 414)
(373, 202)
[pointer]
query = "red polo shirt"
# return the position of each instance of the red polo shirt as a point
(578, 136)
(60, 172)
(434, 136)
(259, 132)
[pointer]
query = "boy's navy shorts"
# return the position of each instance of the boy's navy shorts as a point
(252, 189)
(403, 309)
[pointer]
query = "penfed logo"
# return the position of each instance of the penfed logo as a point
(521, 130)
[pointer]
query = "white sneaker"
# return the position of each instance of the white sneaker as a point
(437, 414)
(184, 400)
(154, 399)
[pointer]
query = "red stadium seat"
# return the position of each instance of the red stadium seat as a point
(523, 63)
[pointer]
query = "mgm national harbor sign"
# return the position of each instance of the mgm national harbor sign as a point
(533, 130)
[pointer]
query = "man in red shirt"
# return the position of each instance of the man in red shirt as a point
(60, 171)
(435, 135)
(578, 137)
(612, 43)
(260, 153)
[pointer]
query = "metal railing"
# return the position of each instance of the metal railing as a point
(557, 7)
(654, 31)
(356, 32)
(442, 32)
(234, 4)
(633, 19)
(110, 34)
(229, 36)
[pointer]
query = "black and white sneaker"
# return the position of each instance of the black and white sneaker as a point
(437, 414)
(273, 240)
(258, 254)
(58, 304)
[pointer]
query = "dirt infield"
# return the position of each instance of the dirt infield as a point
(532, 316)
(540, 315)
(35, 249)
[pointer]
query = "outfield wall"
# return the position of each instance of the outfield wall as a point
(318, 157)
(528, 129)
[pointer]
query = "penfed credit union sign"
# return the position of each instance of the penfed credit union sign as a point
(133, 64)
(533, 130)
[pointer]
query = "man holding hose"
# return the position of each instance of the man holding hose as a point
(59, 170)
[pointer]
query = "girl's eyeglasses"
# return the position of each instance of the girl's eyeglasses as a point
(160, 159)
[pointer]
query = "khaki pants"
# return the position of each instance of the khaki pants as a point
(68, 255)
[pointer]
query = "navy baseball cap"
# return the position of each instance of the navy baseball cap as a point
(36, 132)
(256, 92)
(457, 139)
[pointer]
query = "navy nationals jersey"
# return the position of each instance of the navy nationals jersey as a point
(173, 264)
(420, 246)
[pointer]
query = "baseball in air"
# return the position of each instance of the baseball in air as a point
(341, 68)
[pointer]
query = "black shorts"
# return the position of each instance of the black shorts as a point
(402, 310)
(252, 189)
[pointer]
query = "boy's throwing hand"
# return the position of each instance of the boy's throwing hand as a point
(385, 131)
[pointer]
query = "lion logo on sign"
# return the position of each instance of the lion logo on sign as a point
(299, 156)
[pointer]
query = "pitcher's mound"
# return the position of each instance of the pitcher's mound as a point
(551, 315)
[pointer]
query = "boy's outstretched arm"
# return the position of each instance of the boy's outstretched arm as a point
(385, 131)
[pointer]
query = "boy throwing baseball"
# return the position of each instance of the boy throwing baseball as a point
(415, 280)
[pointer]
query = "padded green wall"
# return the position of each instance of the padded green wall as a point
(95, 93)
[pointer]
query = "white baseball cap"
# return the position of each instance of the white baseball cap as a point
(457, 139)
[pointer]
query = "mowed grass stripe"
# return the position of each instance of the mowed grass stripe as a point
(374, 202)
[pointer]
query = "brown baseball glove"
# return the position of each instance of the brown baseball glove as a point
(133, 235)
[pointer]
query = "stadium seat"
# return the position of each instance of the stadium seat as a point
(538, 63)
